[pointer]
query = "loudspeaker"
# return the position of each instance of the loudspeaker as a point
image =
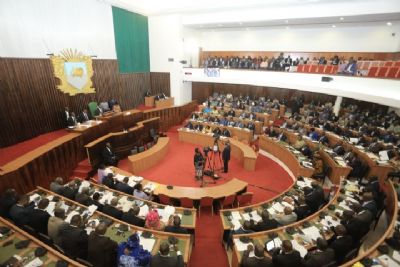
(326, 79)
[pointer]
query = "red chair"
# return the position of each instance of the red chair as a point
(382, 72)
(335, 69)
(321, 69)
(306, 68)
(206, 202)
(228, 201)
(372, 71)
(313, 68)
(164, 199)
(300, 68)
(244, 198)
(388, 63)
(186, 202)
(392, 72)
(328, 69)
(397, 64)
(366, 65)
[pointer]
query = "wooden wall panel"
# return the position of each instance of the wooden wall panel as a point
(31, 105)
(200, 91)
(160, 83)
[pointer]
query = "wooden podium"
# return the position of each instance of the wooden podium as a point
(149, 101)
(165, 103)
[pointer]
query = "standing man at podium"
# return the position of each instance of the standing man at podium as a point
(109, 156)
(226, 156)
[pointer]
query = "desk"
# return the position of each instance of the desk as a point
(239, 150)
(283, 154)
(16, 234)
(149, 158)
(165, 103)
(184, 244)
(240, 133)
(149, 101)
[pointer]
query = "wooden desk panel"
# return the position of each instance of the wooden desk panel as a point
(149, 158)
(165, 103)
(149, 101)
(239, 150)
(285, 156)
(241, 134)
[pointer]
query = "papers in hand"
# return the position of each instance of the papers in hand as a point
(34, 197)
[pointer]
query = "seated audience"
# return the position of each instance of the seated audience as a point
(21, 210)
(302, 210)
(70, 190)
(84, 116)
(318, 164)
(109, 181)
(321, 256)
(244, 229)
(341, 243)
(124, 187)
(9, 198)
(72, 121)
(259, 259)
(287, 217)
(131, 253)
(132, 216)
(165, 259)
(138, 192)
(286, 256)
(96, 201)
(176, 226)
(108, 155)
(57, 185)
(39, 217)
(265, 224)
(83, 197)
(300, 143)
(74, 239)
(56, 223)
(102, 251)
(153, 220)
(112, 210)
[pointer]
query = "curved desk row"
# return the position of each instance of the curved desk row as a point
(239, 150)
(149, 158)
(279, 150)
(16, 235)
(234, 186)
(127, 201)
(114, 231)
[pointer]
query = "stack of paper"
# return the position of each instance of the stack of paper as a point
(236, 224)
(236, 215)
(147, 243)
(119, 177)
(328, 221)
(143, 211)
(137, 179)
(34, 197)
(240, 246)
(278, 207)
(271, 211)
(303, 251)
(92, 209)
(312, 232)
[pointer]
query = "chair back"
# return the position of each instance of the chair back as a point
(84, 262)
(228, 200)
(45, 239)
(206, 201)
(351, 255)
(141, 149)
(92, 108)
(244, 198)
(186, 202)
(134, 151)
(164, 199)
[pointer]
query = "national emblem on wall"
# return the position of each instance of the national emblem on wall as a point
(75, 72)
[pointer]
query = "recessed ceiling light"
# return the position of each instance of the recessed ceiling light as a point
(389, 23)
(333, 26)
(341, 18)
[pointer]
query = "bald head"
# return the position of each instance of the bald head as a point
(259, 251)
(59, 180)
(287, 246)
(101, 229)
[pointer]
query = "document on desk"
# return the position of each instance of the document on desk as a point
(50, 208)
(70, 215)
(328, 221)
(236, 215)
(143, 211)
(299, 248)
(240, 246)
(271, 211)
(147, 243)
(312, 232)
(236, 224)
(33, 197)
(119, 177)
(34, 263)
(83, 185)
(278, 207)
(385, 259)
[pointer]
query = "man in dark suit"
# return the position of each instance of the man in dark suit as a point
(20, 211)
(341, 243)
(66, 115)
(39, 217)
(70, 190)
(102, 251)
(83, 197)
(109, 181)
(302, 210)
(124, 187)
(111, 209)
(369, 203)
(314, 197)
(7, 201)
(57, 185)
(321, 256)
(358, 225)
(72, 121)
(74, 239)
(109, 156)
(165, 260)
(286, 256)
(84, 116)
(339, 149)
(96, 201)
(226, 156)
(131, 217)
(176, 226)
(259, 259)
(265, 224)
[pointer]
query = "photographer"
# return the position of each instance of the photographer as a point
(226, 156)
(198, 163)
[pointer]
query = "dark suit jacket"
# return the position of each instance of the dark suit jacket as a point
(226, 153)
(372, 207)
(109, 182)
(265, 225)
(302, 212)
(71, 121)
(341, 245)
(5, 205)
(112, 211)
(74, 241)
(99, 205)
(159, 261)
(39, 220)
(314, 200)
(287, 260)
(108, 156)
(132, 219)
(83, 199)
(123, 187)
(255, 262)
(20, 215)
(319, 258)
(102, 251)
(83, 118)
(177, 230)
(69, 192)
(358, 226)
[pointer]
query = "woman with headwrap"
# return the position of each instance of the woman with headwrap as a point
(153, 220)
(132, 254)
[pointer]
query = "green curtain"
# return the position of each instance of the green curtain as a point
(131, 41)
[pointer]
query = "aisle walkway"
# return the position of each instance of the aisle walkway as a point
(177, 168)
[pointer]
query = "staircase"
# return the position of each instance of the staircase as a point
(83, 170)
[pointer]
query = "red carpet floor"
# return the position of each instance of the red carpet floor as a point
(177, 169)
(10, 153)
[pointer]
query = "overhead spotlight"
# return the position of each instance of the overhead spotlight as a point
(341, 18)
(389, 23)
(333, 26)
